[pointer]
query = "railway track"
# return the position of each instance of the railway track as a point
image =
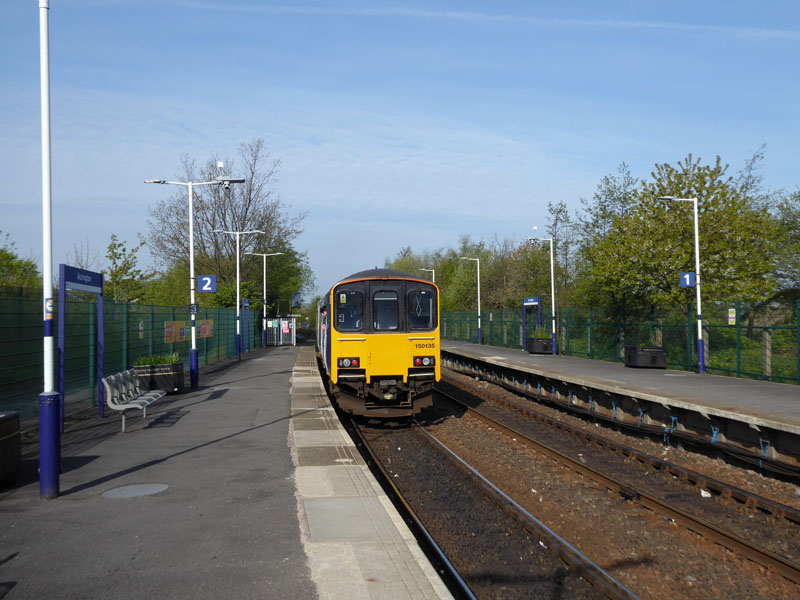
(554, 566)
(734, 528)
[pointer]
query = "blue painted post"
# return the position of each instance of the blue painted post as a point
(62, 324)
(49, 445)
(100, 350)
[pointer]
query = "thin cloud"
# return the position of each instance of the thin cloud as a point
(753, 33)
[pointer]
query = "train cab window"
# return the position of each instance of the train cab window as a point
(349, 315)
(421, 305)
(385, 311)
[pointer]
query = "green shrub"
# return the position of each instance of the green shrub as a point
(158, 359)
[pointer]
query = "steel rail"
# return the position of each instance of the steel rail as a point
(722, 489)
(452, 574)
(761, 556)
(599, 579)
(739, 454)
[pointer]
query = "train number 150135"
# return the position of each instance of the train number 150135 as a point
(429, 345)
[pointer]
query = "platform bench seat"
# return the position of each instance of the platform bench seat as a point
(123, 392)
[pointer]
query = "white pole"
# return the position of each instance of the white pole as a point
(553, 296)
(238, 308)
(264, 304)
(47, 222)
(701, 362)
(480, 338)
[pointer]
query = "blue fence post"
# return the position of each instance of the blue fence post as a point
(92, 355)
(124, 336)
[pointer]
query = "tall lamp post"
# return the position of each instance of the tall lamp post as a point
(49, 430)
(433, 274)
(701, 358)
(552, 290)
(238, 234)
(223, 181)
(478, 261)
(264, 295)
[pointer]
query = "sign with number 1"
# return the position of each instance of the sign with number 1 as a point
(687, 279)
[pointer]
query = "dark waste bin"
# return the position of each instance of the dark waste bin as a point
(10, 444)
(649, 357)
(539, 345)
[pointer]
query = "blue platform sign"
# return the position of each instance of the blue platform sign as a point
(81, 279)
(687, 279)
(534, 301)
(206, 283)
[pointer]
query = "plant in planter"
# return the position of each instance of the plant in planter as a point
(160, 372)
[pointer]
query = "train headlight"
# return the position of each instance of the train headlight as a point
(348, 363)
(424, 361)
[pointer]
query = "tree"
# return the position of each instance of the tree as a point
(124, 282)
(16, 271)
(251, 206)
(787, 263)
(639, 259)
(83, 256)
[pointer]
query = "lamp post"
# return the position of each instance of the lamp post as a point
(221, 180)
(433, 274)
(49, 403)
(478, 261)
(701, 358)
(264, 296)
(238, 234)
(552, 290)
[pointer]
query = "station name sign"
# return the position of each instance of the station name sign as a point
(81, 279)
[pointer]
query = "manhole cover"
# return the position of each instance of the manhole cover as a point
(132, 491)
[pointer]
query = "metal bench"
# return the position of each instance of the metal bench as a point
(123, 392)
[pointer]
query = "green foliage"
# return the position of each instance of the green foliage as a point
(641, 255)
(124, 282)
(16, 271)
(158, 359)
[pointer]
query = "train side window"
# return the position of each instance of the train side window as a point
(421, 309)
(385, 310)
(349, 315)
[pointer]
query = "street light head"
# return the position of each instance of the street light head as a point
(155, 181)
(229, 180)
(666, 198)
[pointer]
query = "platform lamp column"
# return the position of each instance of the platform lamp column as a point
(433, 274)
(552, 290)
(223, 181)
(701, 358)
(238, 343)
(49, 429)
(264, 295)
(478, 261)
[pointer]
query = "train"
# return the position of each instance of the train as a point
(378, 344)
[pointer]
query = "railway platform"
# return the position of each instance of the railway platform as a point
(245, 488)
(759, 416)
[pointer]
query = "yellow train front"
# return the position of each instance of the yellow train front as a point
(378, 342)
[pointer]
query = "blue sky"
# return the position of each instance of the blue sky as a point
(397, 123)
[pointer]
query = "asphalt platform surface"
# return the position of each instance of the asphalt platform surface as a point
(223, 525)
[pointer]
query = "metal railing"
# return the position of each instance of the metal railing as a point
(758, 341)
(130, 331)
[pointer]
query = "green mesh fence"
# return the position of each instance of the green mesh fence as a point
(759, 341)
(130, 331)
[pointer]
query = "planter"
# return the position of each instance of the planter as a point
(10, 444)
(167, 377)
(539, 345)
(648, 357)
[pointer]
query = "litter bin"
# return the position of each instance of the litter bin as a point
(649, 357)
(10, 444)
(539, 345)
